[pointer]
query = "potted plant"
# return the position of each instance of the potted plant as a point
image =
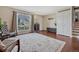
(1, 24)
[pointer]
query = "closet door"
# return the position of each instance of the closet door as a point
(64, 23)
(67, 20)
(59, 20)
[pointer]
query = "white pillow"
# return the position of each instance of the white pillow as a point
(2, 46)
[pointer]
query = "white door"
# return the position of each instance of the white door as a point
(59, 23)
(67, 22)
(64, 20)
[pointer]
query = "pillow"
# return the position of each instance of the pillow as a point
(2, 46)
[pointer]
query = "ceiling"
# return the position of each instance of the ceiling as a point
(41, 10)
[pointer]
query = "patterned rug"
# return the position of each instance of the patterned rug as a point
(34, 42)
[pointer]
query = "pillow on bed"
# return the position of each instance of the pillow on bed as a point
(2, 46)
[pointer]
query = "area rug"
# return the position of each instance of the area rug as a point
(34, 42)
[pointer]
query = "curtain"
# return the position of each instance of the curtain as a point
(14, 22)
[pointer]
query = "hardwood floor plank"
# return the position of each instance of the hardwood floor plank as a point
(72, 44)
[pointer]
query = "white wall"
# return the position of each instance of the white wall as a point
(39, 19)
(49, 23)
(6, 15)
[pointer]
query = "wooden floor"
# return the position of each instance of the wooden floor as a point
(72, 44)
